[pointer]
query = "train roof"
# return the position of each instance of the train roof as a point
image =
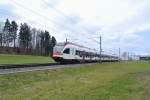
(66, 43)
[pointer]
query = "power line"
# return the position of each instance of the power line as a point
(5, 13)
(46, 18)
(37, 13)
(26, 8)
(62, 13)
(42, 15)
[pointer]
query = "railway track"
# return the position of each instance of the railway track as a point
(10, 66)
(7, 69)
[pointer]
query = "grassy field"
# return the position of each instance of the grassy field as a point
(23, 59)
(109, 81)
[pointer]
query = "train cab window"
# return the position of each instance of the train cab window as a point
(66, 51)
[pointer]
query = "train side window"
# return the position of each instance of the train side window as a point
(80, 53)
(67, 51)
(77, 52)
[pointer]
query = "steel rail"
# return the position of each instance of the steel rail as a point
(11, 66)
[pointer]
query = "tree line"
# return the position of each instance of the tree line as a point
(22, 39)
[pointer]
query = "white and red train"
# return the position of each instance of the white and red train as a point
(70, 52)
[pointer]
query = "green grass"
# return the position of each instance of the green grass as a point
(23, 59)
(109, 81)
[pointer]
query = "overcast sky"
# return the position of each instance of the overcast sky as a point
(122, 24)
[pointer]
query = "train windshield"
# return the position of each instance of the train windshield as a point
(59, 47)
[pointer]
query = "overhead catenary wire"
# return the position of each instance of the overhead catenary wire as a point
(45, 18)
(61, 13)
(28, 9)
(37, 13)
(4, 12)
(66, 16)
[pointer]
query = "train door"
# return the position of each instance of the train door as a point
(72, 53)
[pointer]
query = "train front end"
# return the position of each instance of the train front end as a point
(58, 52)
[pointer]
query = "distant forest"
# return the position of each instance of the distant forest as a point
(23, 39)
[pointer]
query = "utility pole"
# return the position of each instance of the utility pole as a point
(119, 55)
(66, 40)
(100, 49)
(128, 56)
